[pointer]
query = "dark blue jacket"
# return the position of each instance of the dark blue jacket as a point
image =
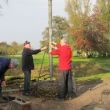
(4, 66)
(27, 59)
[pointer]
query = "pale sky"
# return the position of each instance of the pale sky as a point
(27, 19)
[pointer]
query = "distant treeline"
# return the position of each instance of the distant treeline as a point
(10, 49)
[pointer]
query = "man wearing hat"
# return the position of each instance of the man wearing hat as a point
(28, 64)
(5, 64)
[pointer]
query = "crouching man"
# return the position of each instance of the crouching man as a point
(5, 64)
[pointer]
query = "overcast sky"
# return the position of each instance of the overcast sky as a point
(26, 20)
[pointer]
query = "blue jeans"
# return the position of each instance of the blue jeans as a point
(27, 78)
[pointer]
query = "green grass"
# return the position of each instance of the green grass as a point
(86, 66)
(94, 77)
(104, 62)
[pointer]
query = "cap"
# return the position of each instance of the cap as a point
(26, 42)
(14, 62)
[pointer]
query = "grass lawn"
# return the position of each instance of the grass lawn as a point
(84, 68)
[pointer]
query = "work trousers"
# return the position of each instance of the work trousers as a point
(65, 84)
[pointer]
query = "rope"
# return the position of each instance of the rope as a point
(40, 71)
(41, 65)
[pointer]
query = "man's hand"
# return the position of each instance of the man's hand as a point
(54, 43)
(3, 84)
(44, 48)
(53, 47)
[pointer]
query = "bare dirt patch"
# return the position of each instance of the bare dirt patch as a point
(97, 94)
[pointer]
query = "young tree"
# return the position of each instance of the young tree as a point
(59, 28)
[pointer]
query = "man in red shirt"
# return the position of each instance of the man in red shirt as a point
(65, 84)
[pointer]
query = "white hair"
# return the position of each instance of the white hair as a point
(14, 62)
(64, 40)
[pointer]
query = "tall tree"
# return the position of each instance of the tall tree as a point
(87, 28)
(77, 11)
(104, 8)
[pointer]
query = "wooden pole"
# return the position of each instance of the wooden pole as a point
(50, 35)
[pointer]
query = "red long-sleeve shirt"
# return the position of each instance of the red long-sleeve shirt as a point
(65, 57)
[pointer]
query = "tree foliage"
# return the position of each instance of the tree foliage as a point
(89, 29)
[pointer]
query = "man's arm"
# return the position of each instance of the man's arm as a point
(2, 77)
(2, 80)
(37, 50)
(55, 52)
(4, 66)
